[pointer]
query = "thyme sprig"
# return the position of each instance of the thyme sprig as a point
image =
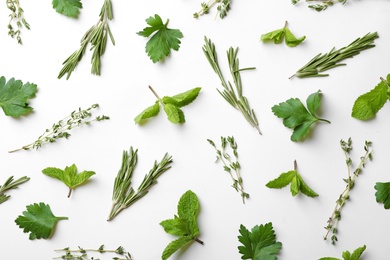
(233, 96)
(222, 8)
(124, 195)
(97, 36)
(82, 254)
(10, 184)
(16, 18)
(322, 4)
(334, 219)
(323, 62)
(229, 165)
(61, 128)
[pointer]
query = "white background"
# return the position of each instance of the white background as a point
(122, 93)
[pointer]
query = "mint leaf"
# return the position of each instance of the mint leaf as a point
(277, 37)
(176, 226)
(174, 246)
(164, 39)
(282, 181)
(69, 8)
(149, 112)
(182, 99)
(174, 114)
(347, 255)
(38, 220)
(69, 176)
(382, 193)
(291, 40)
(367, 105)
(14, 96)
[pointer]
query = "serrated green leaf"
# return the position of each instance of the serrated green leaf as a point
(276, 36)
(149, 112)
(38, 220)
(305, 189)
(291, 40)
(14, 96)
(188, 209)
(247, 249)
(347, 255)
(329, 258)
(295, 186)
(313, 102)
(282, 181)
(367, 105)
(382, 193)
(268, 252)
(174, 246)
(176, 226)
(182, 99)
(358, 252)
(302, 131)
(69, 8)
(174, 114)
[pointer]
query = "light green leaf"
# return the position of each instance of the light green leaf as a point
(291, 40)
(188, 209)
(149, 112)
(276, 36)
(347, 255)
(176, 226)
(174, 114)
(295, 186)
(358, 252)
(382, 193)
(329, 258)
(305, 189)
(69, 8)
(282, 181)
(182, 99)
(174, 246)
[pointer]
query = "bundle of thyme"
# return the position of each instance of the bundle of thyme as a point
(123, 195)
(334, 219)
(234, 97)
(16, 18)
(10, 184)
(82, 254)
(323, 62)
(61, 128)
(222, 8)
(322, 5)
(97, 36)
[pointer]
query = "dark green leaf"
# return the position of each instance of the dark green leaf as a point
(383, 193)
(313, 102)
(69, 8)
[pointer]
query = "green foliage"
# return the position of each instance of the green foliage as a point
(82, 253)
(10, 184)
(297, 117)
(367, 105)
(382, 193)
(163, 40)
(259, 243)
(14, 96)
(171, 106)
(183, 224)
(321, 4)
(222, 8)
(297, 184)
(38, 220)
(277, 37)
(69, 8)
(16, 19)
(347, 255)
(69, 176)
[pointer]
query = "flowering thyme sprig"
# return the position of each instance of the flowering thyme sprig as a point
(222, 8)
(16, 17)
(82, 254)
(322, 4)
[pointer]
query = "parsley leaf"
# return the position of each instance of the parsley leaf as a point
(69, 176)
(38, 220)
(367, 105)
(69, 8)
(164, 39)
(297, 117)
(14, 96)
(297, 183)
(171, 106)
(347, 255)
(383, 193)
(259, 243)
(277, 37)
(183, 224)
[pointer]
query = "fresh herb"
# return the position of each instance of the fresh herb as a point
(222, 8)
(233, 97)
(347, 255)
(229, 165)
(69, 8)
(163, 40)
(69, 176)
(259, 243)
(183, 225)
(382, 193)
(123, 195)
(97, 36)
(277, 37)
(16, 18)
(296, 183)
(82, 253)
(323, 62)
(61, 128)
(334, 219)
(14, 96)
(171, 106)
(297, 117)
(10, 184)
(323, 4)
(367, 105)
(38, 220)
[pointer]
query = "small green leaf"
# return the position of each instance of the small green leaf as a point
(69, 8)
(282, 181)
(182, 99)
(174, 246)
(382, 193)
(176, 226)
(358, 252)
(291, 40)
(295, 186)
(174, 114)
(305, 189)
(313, 102)
(347, 255)
(276, 36)
(149, 112)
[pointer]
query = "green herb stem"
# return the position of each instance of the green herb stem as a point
(16, 18)
(10, 184)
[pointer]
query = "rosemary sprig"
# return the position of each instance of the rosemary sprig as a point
(124, 195)
(222, 8)
(323, 62)
(16, 18)
(61, 128)
(10, 184)
(229, 165)
(82, 254)
(322, 5)
(334, 219)
(97, 36)
(233, 96)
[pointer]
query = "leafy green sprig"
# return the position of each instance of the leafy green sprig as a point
(82, 254)
(334, 219)
(356, 254)
(320, 6)
(97, 37)
(16, 18)
(124, 195)
(324, 62)
(61, 128)
(233, 96)
(222, 8)
(10, 184)
(229, 165)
